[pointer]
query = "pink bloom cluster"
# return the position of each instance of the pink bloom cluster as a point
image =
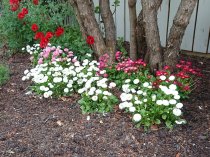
(54, 54)
(103, 61)
(129, 66)
(118, 55)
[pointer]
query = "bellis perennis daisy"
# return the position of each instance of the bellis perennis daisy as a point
(149, 99)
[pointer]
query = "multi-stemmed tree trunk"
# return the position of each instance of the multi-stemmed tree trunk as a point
(86, 17)
(144, 30)
(158, 57)
(133, 23)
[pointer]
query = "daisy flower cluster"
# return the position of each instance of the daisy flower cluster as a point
(150, 105)
(96, 96)
(61, 74)
(48, 54)
(186, 77)
(129, 66)
(151, 99)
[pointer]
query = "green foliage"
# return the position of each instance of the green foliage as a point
(17, 33)
(4, 74)
(115, 4)
(121, 47)
(72, 38)
(101, 105)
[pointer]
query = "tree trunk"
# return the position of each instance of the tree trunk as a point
(141, 36)
(110, 30)
(88, 24)
(152, 34)
(133, 23)
(177, 31)
(82, 29)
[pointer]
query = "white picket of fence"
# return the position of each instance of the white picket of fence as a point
(196, 37)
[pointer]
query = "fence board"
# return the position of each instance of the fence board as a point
(162, 21)
(203, 24)
(187, 42)
(120, 20)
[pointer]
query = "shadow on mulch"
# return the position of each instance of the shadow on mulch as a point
(34, 127)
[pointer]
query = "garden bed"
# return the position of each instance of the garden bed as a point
(30, 126)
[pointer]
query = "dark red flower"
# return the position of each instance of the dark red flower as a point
(59, 31)
(21, 15)
(186, 88)
(34, 27)
(11, 2)
(43, 42)
(25, 11)
(49, 35)
(14, 7)
(90, 40)
(36, 2)
(39, 35)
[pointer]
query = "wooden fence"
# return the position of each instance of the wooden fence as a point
(197, 35)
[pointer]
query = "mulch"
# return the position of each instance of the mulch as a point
(35, 127)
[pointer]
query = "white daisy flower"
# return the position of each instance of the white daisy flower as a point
(177, 112)
(137, 117)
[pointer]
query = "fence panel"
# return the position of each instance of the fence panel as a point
(202, 28)
(196, 37)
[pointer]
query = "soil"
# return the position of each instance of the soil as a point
(34, 127)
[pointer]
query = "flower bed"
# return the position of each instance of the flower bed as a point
(150, 99)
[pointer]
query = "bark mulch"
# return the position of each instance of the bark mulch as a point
(34, 127)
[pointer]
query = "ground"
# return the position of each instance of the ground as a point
(34, 127)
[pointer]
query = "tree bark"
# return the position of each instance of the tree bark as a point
(110, 30)
(133, 23)
(141, 36)
(152, 34)
(82, 29)
(177, 31)
(88, 24)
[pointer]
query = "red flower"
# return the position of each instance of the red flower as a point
(34, 27)
(59, 31)
(13, 2)
(49, 35)
(25, 11)
(14, 7)
(36, 2)
(39, 35)
(90, 40)
(43, 42)
(21, 15)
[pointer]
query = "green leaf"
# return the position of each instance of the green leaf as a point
(157, 121)
(164, 116)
